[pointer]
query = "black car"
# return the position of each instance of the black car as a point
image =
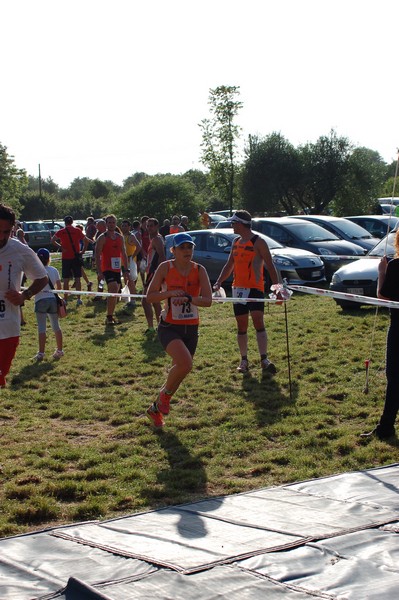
(377, 225)
(344, 230)
(298, 233)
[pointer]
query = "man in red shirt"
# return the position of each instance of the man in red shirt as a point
(68, 239)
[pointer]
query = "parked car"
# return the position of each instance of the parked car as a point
(360, 277)
(394, 200)
(298, 233)
(215, 218)
(54, 226)
(344, 230)
(212, 248)
(388, 209)
(377, 225)
(37, 234)
(224, 213)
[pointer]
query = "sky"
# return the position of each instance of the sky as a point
(107, 88)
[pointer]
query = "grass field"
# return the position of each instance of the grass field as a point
(76, 444)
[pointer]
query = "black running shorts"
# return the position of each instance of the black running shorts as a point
(188, 334)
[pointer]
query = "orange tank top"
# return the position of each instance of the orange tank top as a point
(248, 266)
(174, 229)
(187, 313)
(111, 254)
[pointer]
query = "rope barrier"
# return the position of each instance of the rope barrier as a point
(296, 288)
(345, 296)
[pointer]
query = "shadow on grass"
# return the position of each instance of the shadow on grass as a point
(183, 481)
(32, 372)
(267, 396)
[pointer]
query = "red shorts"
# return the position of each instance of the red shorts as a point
(8, 348)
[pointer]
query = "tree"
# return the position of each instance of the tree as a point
(324, 167)
(79, 188)
(12, 180)
(361, 185)
(133, 180)
(48, 186)
(269, 174)
(160, 196)
(37, 207)
(219, 141)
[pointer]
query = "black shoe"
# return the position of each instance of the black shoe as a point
(382, 433)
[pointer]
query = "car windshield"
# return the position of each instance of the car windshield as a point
(310, 232)
(352, 230)
(273, 244)
(385, 246)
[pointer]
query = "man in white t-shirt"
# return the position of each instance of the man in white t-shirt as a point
(15, 259)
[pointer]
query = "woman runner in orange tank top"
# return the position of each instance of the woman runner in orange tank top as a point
(185, 286)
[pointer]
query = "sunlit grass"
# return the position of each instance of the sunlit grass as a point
(76, 444)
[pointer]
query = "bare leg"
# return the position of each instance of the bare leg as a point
(182, 363)
(113, 288)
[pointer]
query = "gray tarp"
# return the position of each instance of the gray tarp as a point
(335, 537)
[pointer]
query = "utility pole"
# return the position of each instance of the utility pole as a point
(40, 184)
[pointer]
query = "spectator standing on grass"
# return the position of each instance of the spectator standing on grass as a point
(68, 239)
(110, 259)
(184, 223)
(388, 289)
(249, 254)
(46, 306)
(145, 242)
(15, 259)
(100, 228)
(90, 229)
(84, 275)
(175, 226)
(165, 229)
(19, 233)
(133, 247)
(155, 255)
(185, 286)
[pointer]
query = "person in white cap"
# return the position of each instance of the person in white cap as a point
(249, 254)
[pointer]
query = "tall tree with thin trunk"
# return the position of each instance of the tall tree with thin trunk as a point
(219, 140)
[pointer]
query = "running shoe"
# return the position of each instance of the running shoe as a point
(39, 357)
(79, 302)
(243, 367)
(268, 366)
(58, 354)
(112, 321)
(89, 286)
(163, 403)
(150, 331)
(155, 415)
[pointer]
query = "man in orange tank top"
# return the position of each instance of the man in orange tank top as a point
(249, 254)
(111, 257)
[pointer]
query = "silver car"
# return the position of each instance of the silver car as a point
(360, 277)
(212, 249)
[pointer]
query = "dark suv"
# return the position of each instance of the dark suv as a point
(37, 234)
